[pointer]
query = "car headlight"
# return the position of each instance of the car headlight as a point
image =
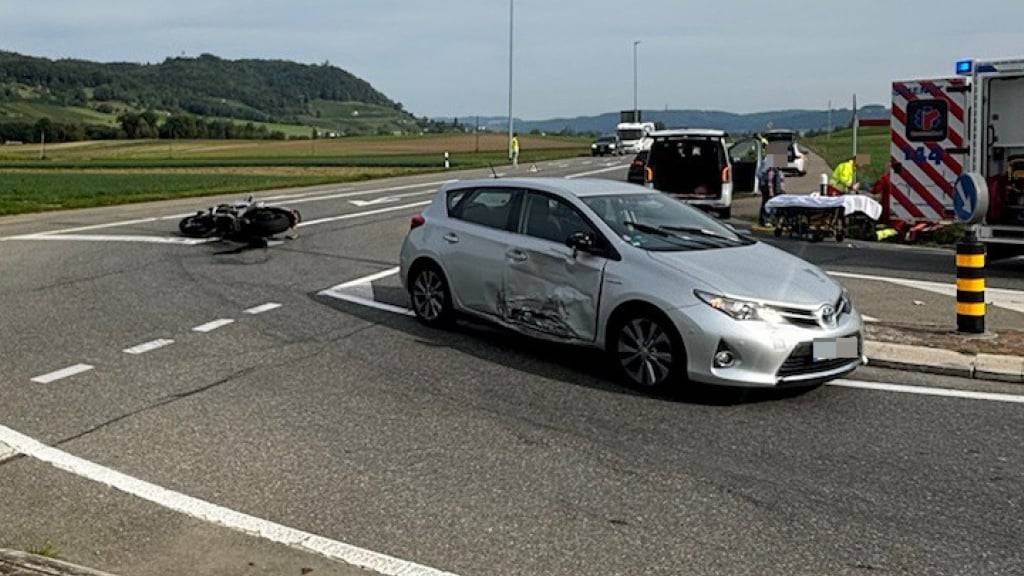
(742, 310)
(611, 145)
(593, 145)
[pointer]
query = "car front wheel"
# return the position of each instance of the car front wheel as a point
(431, 299)
(647, 352)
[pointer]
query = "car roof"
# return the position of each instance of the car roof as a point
(579, 187)
(706, 132)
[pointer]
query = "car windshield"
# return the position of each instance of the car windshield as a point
(658, 222)
(631, 134)
(606, 139)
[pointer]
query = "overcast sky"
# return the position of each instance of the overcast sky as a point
(573, 57)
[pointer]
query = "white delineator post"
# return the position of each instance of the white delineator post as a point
(823, 188)
(447, 161)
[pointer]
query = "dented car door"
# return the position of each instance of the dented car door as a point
(548, 287)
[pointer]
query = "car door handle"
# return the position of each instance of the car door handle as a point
(516, 255)
(451, 238)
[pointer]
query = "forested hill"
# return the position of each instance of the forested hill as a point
(258, 90)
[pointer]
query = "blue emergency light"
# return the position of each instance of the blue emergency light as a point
(965, 67)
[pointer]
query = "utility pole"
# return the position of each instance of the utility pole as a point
(856, 124)
(42, 140)
(636, 106)
(830, 120)
(511, 47)
(476, 130)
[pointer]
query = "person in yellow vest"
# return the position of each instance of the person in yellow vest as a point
(844, 177)
(515, 150)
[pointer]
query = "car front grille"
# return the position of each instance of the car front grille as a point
(811, 318)
(801, 362)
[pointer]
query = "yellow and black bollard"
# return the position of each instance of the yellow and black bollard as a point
(970, 285)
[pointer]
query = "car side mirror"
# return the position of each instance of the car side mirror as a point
(580, 242)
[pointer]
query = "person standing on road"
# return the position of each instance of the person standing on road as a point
(844, 177)
(515, 150)
(771, 182)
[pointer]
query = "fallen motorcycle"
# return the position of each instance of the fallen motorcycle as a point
(245, 220)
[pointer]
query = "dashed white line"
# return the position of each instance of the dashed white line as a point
(148, 346)
(263, 308)
(62, 373)
(219, 515)
(211, 326)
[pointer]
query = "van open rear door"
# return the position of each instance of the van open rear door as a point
(929, 148)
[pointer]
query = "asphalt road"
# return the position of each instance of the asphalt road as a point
(472, 451)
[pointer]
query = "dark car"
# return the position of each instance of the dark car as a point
(606, 146)
(637, 168)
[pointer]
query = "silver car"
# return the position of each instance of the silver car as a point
(670, 293)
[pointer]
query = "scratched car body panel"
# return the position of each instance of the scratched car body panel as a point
(566, 260)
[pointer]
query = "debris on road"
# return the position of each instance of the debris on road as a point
(14, 563)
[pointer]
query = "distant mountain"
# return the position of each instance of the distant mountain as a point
(250, 90)
(802, 120)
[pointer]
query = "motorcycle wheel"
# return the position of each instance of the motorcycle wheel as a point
(266, 222)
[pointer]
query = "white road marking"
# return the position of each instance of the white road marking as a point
(389, 199)
(211, 326)
(592, 172)
(869, 319)
(1001, 297)
(117, 238)
(367, 279)
(6, 452)
(62, 373)
(263, 308)
(361, 214)
(214, 514)
(926, 391)
(148, 346)
(369, 303)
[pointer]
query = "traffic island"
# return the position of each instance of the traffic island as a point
(13, 563)
(940, 351)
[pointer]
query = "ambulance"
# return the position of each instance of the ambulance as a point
(942, 128)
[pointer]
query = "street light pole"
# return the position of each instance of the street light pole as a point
(636, 106)
(511, 46)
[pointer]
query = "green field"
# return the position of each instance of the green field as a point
(838, 146)
(101, 173)
(32, 191)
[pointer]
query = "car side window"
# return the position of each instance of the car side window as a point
(491, 207)
(552, 219)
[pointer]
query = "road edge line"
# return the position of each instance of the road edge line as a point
(213, 513)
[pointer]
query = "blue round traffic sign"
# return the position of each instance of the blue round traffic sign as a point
(970, 198)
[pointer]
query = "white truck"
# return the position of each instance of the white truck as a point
(995, 145)
(632, 135)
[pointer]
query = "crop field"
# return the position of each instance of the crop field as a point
(101, 173)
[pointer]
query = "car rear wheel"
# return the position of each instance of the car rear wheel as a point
(647, 352)
(431, 299)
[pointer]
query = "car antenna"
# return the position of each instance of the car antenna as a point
(493, 173)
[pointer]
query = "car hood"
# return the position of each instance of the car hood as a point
(756, 272)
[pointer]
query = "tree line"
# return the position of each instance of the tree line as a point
(132, 125)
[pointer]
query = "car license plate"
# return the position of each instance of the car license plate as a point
(835, 348)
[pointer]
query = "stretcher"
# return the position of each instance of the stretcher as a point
(817, 217)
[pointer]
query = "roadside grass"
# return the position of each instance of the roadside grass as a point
(35, 191)
(838, 146)
(47, 550)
